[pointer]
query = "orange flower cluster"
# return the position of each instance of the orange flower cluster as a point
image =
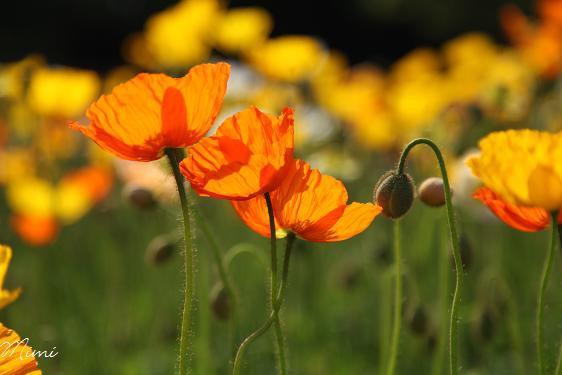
(541, 43)
(250, 154)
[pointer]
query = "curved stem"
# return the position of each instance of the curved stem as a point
(174, 157)
(542, 289)
(221, 267)
(272, 316)
(453, 326)
(277, 323)
(397, 301)
(219, 261)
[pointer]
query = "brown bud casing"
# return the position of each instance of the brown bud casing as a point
(394, 193)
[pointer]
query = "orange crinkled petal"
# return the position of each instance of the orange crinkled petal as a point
(526, 219)
(253, 213)
(246, 157)
(16, 358)
(312, 205)
(151, 112)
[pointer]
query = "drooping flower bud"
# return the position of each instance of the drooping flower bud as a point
(394, 192)
(432, 192)
(159, 250)
(220, 302)
(140, 197)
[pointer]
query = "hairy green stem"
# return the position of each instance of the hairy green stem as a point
(174, 157)
(542, 289)
(397, 319)
(273, 286)
(273, 315)
(453, 326)
(221, 267)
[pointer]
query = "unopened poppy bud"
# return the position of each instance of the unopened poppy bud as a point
(140, 197)
(220, 302)
(432, 192)
(349, 277)
(159, 250)
(484, 327)
(419, 322)
(394, 192)
(465, 252)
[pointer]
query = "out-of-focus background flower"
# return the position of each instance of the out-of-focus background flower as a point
(93, 246)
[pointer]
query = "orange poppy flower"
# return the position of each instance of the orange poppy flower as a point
(16, 357)
(247, 156)
(151, 112)
(309, 204)
(96, 182)
(35, 230)
(526, 219)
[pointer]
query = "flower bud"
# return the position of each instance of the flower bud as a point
(465, 252)
(432, 192)
(220, 302)
(140, 197)
(419, 322)
(159, 250)
(394, 193)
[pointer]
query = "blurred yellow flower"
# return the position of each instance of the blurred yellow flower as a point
(418, 63)
(242, 28)
(522, 166)
(180, 36)
(288, 58)
(30, 195)
(6, 296)
(16, 164)
(14, 76)
(418, 101)
(62, 92)
(70, 202)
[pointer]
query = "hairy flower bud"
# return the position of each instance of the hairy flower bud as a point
(140, 197)
(220, 302)
(432, 192)
(394, 192)
(159, 250)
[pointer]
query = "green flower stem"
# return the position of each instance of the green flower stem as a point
(273, 292)
(453, 328)
(221, 267)
(444, 290)
(542, 289)
(174, 157)
(397, 320)
(273, 315)
(558, 370)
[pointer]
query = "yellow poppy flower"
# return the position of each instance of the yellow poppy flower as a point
(522, 166)
(62, 92)
(242, 28)
(288, 58)
(6, 296)
(179, 36)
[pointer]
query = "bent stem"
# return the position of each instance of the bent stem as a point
(542, 289)
(273, 315)
(453, 327)
(174, 157)
(396, 324)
